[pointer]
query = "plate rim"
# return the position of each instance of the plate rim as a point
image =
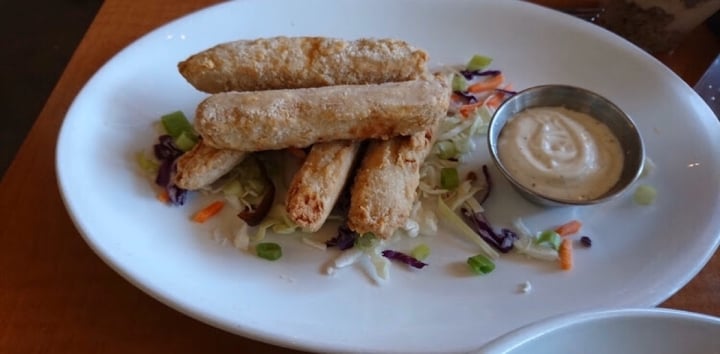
(537, 329)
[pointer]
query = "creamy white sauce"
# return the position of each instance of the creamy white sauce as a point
(560, 153)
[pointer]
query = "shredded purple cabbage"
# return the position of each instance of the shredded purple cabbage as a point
(404, 258)
(467, 97)
(164, 175)
(345, 238)
(507, 92)
(488, 185)
(509, 234)
(166, 151)
(470, 74)
(177, 195)
(476, 219)
(503, 242)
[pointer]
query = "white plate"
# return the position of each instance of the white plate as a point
(640, 256)
(636, 331)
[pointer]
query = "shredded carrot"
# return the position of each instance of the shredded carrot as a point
(489, 84)
(492, 101)
(207, 212)
(566, 254)
(499, 97)
(163, 196)
(297, 152)
(569, 228)
(495, 100)
(468, 109)
(457, 98)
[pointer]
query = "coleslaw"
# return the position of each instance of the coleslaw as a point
(449, 190)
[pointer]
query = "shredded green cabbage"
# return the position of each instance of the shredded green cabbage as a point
(381, 264)
(461, 227)
(277, 221)
(454, 143)
(526, 244)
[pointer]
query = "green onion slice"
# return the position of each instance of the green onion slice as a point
(268, 250)
(478, 62)
(365, 241)
(480, 264)
(644, 195)
(147, 164)
(185, 141)
(420, 252)
(449, 178)
(459, 83)
(550, 237)
(176, 123)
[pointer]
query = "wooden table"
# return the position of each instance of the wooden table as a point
(57, 296)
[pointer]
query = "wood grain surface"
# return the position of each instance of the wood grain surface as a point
(57, 296)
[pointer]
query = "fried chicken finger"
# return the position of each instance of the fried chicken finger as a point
(204, 164)
(385, 186)
(278, 119)
(299, 62)
(319, 182)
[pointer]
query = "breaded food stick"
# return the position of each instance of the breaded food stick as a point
(318, 183)
(384, 190)
(299, 62)
(278, 119)
(204, 164)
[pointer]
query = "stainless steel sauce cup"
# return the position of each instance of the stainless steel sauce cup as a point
(581, 100)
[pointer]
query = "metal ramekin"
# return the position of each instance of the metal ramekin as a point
(580, 100)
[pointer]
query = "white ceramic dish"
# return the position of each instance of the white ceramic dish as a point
(640, 256)
(636, 331)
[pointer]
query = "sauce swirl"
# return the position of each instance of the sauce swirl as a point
(561, 153)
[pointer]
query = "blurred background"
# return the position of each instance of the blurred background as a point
(37, 37)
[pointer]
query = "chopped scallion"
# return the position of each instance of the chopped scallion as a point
(268, 250)
(550, 237)
(480, 264)
(185, 141)
(176, 123)
(478, 62)
(459, 83)
(420, 252)
(644, 195)
(449, 178)
(147, 164)
(365, 241)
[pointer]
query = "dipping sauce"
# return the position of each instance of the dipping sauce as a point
(560, 153)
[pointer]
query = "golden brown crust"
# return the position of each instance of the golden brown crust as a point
(299, 62)
(385, 186)
(318, 183)
(203, 165)
(277, 119)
